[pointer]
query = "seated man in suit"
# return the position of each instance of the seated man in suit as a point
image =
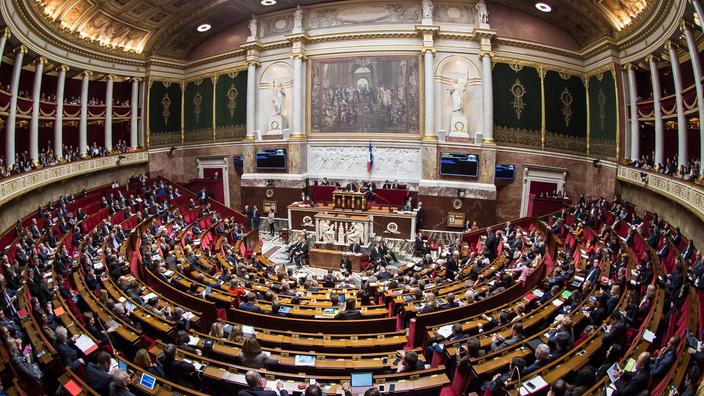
(632, 383)
(346, 265)
(257, 386)
(98, 374)
(355, 248)
(542, 357)
(250, 305)
(301, 255)
(68, 352)
(350, 311)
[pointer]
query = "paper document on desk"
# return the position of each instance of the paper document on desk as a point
(149, 297)
(649, 336)
(188, 315)
(86, 344)
(193, 341)
(533, 385)
(445, 331)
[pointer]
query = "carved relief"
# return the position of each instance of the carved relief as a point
(380, 12)
(455, 13)
(276, 25)
(391, 162)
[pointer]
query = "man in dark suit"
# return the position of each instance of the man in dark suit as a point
(257, 384)
(666, 358)
(301, 253)
(632, 383)
(68, 352)
(351, 186)
(346, 265)
(350, 311)
(98, 374)
(255, 218)
(420, 216)
(420, 246)
(203, 196)
(492, 242)
(249, 304)
(376, 253)
(542, 357)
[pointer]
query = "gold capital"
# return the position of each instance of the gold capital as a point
(41, 60)
(21, 49)
(629, 66)
(110, 77)
(651, 58)
(87, 73)
(7, 33)
(428, 49)
(490, 54)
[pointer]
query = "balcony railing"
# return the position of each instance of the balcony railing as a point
(685, 193)
(14, 186)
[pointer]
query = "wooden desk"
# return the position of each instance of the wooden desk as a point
(330, 259)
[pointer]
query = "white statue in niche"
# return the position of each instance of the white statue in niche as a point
(278, 98)
(253, 27)
(427, 7)
(298, 20)
(457, 92)
(327, 234)
(355, 233)
(482, 12)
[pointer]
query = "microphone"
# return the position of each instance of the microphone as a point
(518, 387)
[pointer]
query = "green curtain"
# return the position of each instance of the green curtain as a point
(517, 115)
(565, 113)
(198, 111)
(164, 114)
(231, 106)
(602, 115)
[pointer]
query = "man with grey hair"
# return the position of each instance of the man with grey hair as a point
(70, 355)
(542, 357)
(257, 386)
(120, 384)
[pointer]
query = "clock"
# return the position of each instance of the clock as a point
(269, 193)
(457, 204)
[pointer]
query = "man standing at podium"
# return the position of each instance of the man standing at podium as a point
(419, 216)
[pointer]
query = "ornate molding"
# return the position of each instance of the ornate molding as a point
(686, 194)
(16, 186)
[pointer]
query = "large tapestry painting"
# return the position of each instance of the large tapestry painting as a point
(602, 114)
(164, 113)
(565, 113)
(365, 94)
(517, 97)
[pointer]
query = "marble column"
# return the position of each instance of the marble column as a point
(3, 40)
(36, 96)
(697, 69)
(700, 12)
(134, 103)
(108, 112)
(682, 127)
(251, 100)
(488, 98)
(429, 92)
(659, 127)
(297, 130)
(83, 123)
(635, 124)
(59, 121)
(12, 117)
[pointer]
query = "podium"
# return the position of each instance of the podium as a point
(350, 200)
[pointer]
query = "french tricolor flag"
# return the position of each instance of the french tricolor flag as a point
(370, 162)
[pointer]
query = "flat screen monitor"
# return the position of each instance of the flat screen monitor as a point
(505, 172)
(458, 164)
(271, 158)
(361, 379)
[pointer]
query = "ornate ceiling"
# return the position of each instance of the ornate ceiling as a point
(168, 27)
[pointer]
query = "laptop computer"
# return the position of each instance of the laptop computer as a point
(360, 382)
(147, 381)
